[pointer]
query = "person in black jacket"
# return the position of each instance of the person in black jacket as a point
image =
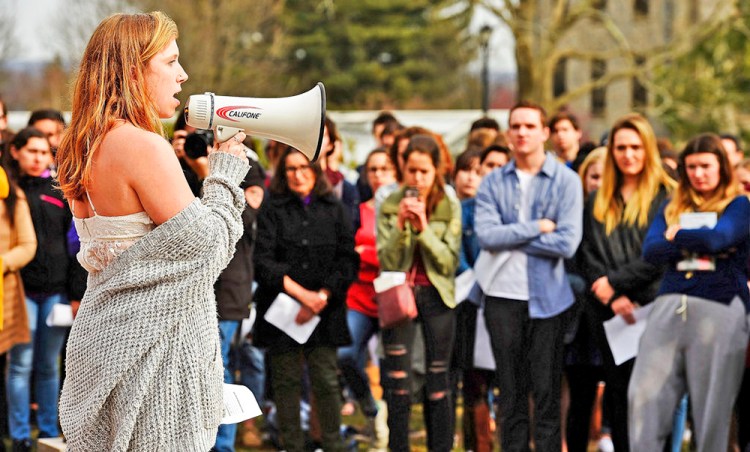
(583, 363)
(233, 289)
(305, 249)
(616, 219)
(330, 161)
(46, 280)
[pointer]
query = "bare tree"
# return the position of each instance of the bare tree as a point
(76, 20)
(227, 46)
(542, 29)
(7, 29)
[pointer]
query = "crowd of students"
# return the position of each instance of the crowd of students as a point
(39, 271)
(552, 244)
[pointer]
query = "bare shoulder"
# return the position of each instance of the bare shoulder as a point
(144, 162)
(138, 151)
(131, 141)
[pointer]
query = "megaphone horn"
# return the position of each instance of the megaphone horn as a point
(297, 120)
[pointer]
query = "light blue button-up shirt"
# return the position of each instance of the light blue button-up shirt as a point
(555, 194)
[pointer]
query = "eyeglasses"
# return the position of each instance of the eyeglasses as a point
(293, 169)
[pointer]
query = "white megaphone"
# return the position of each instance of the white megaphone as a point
(297, 121)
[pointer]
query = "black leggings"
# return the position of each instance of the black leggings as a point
(438, 325)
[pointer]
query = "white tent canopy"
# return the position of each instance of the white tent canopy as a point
(355, 128)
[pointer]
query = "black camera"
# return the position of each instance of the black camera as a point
(197, 143)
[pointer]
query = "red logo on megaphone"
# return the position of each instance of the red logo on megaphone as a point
(237, 112)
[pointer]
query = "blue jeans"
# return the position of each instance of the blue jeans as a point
(42, 355)
(226, 435)
(678, 428)
(251, 361)
(352, 359)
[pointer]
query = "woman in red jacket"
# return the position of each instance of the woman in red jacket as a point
(362, 312)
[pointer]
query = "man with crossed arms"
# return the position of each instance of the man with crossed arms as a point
(528, 220)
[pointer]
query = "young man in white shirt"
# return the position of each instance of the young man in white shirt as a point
(528, 219)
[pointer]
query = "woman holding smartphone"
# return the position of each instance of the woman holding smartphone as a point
(419, 232)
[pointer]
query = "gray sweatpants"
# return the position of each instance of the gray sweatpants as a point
(690, 345)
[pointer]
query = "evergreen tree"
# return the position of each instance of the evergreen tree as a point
(379, 53)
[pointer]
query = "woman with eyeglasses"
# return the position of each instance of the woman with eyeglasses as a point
(362, 312)
(305, 249)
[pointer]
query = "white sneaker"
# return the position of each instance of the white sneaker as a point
(605, 444)
(380, 428)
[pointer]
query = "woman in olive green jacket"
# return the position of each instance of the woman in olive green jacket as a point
(419, 232)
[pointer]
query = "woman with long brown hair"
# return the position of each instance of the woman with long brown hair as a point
(144, 368)
(697, 331)
(616, 218)
(419, 232)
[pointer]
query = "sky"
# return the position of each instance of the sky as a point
(33, 17)
(35, 27)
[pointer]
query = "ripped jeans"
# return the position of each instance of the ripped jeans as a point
(438, 326)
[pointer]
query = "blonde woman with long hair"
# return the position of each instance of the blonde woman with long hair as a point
(616, 219)
(697, 331)
(144, 367)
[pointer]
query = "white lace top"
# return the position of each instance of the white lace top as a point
(103, 239)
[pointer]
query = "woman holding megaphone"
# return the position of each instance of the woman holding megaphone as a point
(144, 368)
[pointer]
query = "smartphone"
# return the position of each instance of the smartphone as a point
(411, 192)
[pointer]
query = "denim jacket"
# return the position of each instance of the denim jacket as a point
(469, 244)
(556, 194)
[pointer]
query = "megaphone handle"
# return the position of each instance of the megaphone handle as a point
(223, 133)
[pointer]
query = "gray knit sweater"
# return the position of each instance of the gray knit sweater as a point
(144, 368)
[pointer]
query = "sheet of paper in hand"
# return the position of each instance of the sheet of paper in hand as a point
(697, 220)
(386, 280)
(61, 315)
(282, 314)
(622, 337)
(239, 404)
